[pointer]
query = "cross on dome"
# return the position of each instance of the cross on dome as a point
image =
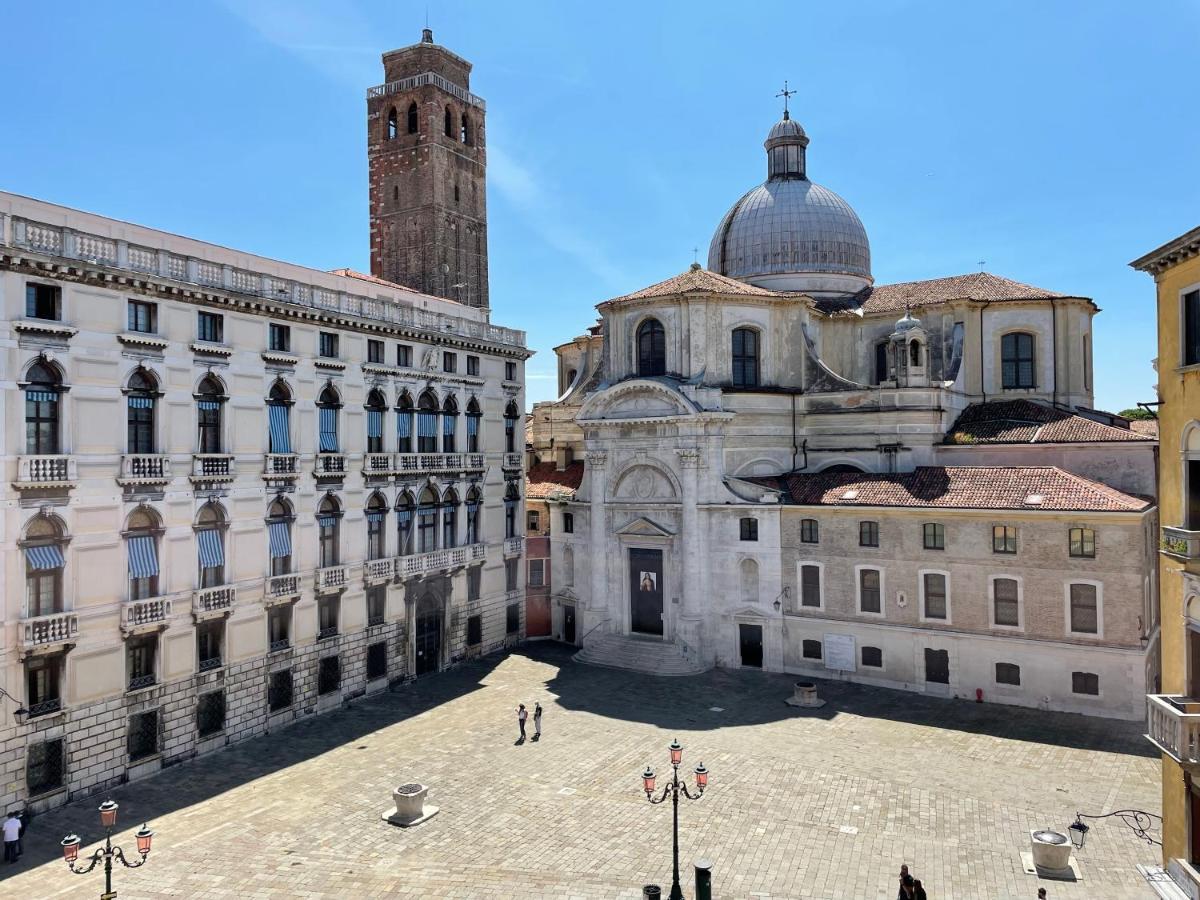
(785, 94)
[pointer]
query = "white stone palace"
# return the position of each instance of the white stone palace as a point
(790, 466)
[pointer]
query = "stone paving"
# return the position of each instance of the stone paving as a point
(802, 803)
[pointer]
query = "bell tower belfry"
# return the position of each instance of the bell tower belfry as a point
(427, 169)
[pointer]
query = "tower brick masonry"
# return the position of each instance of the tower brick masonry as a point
(427, 167)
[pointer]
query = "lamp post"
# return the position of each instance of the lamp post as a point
(20, 712)
(673, 789)
(108, 821)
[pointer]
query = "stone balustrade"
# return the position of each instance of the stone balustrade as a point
(46, 470)
(151, 612)
(145, 468)
(378, 570)
(437, 560)
(512, 461)
(330, 465)
(1181, 542)
(213, 601)
(420, 463)
(514, 546)
(212, 466)
(44, 631)
(332, 578)
(281, 465)
(282, 587)
(378, 464)
(1173, 725)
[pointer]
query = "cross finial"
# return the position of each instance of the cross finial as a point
(785, 94)
(981, 264)
(696, 254)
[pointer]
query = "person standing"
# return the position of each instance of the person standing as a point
(12, 837)
(918, 891)
(522, 715)
(537, 721)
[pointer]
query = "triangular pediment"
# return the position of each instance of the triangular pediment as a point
(748, 612)
(643, 527)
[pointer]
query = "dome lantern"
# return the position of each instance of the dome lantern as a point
(785, 145)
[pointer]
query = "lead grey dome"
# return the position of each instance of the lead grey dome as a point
(789, 233)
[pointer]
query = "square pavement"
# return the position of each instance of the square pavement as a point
(821, 803)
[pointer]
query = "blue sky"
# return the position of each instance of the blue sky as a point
(1055, 141)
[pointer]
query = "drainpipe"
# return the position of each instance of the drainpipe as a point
(1054, 349)
(982, 372)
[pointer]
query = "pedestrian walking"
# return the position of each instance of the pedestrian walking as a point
(522, 715)
(537, 721)
(900, 895)
(23, 818)
(918, 891)
(907, 889)
(12, 837)
(1041, 894)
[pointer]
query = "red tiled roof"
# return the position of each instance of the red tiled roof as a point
(959, 487)
(543, 481)
(1147, 427)
(698, 280)
(976, 286)
(1027, 422)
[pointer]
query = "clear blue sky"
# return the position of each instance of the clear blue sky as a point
(1056, 141)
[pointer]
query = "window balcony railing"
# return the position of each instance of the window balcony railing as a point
(45, 708)
(142, 681)
(279, 645)
(1173, 725)
(213, 601)
(149, 613)
(207, 665)
(282, 587)
(378, 464)
(326, 633)
(1181, 542)
(437, 560)
(281, 465)
(46, 471)
(44, 631)
(418, 463)
(514, 545)
(330, 465)
(377, 571)
(512, 461)
(374, 619)
(332, 578)
(145, 468)
(212, 467)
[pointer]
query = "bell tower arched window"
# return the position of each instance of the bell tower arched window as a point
(42, 410)
(745, 357)
(140, 399)
(914, 353)
(391, 124)
(413, 123)
(1017, 361)
(467, 137)
(651, 348)
(449, 123)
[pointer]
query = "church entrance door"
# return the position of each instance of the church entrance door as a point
(646, 591)
(750, 639)
(428, 636)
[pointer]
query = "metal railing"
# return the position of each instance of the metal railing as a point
(45, 707)
(212, 465)
(420, 80)
(55, 628)
(207, 665)
(276, 646)
(1181, 542)
(44, 469)
(1173, 725)
(141, 681)
(326, 633)
(150, 467)
(152, 611)
(214, 600)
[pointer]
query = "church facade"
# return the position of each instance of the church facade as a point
(775, 462)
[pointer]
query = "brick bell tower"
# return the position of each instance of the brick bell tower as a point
(428, 167)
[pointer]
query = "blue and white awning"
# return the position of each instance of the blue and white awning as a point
(208, 405)
(212, 554)
(374, 423)
(472, 426)
(48, 557)
(448, 424)
(376, 515)
(328, 430)
(326, 521)
(141, 402)
(277, 421)
(404, 424)
(281, 539)
(143, 558)
(426, 424)
(41, 396)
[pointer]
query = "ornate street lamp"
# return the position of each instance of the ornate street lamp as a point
(108, 821)
(20, 712)
(673, 790)
(1138, 821)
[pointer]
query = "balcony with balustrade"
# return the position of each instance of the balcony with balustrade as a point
(513, 462)
(514, 546)
(144, 469)
(438, 560)
(332, 578)
(145, 615)
(49, 632)
(378, 465)
(51, 472)
(212, 468)
(1173, 725)
(422, 463)
(281, 589)
(331, 466)
(378, 571)
(1180, 542)
(210, 603)
(281, 466)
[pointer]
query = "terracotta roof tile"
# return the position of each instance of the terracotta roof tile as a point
(543, 481)
(975, 286)
(698, 280)
(1027, 422)
(959, 487)
(1147, 427)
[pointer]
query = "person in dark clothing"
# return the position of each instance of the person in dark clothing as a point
(24, 818)
(906, 887)
(918, 891)
(522, 715)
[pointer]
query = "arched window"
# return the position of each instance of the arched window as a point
(467, 137)
(449, 123)
(651, 348)
(474, 416)
(881, 362)
(474, 516)
(404, 424)
(392, 128)
(210, 545)
(449, 424)
(328, 521)
(327, 411)
(749, 581)
(745, 357)
(141, 546)
(376, 408)
(1017, 361)
(914, 353)
(427, 413)
(209, 398)
(140, 394)
(404, 524)
(512, 501)
(413, 124)
(44, 563)
(41, 409)
(376, 527)
(427, 521)
(511, 414)
(279, 536)
(279, 432)
(450, 519)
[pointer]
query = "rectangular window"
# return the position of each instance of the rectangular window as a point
(404, 356)
(327, 617)
(474, 631)
(329, 674)
(868, 534)
(1004, 539)
(279, 626)
(568, 523)
(810, 532)
(327, 345)
(45, 766)
(142, 740)
(1085, 683)
(210, 327)
(143, 317)
(935, 595)
(534, 519)
(474, 583)
(279, 690)
(748, 529)
(1017, 361)
(935, 536)
(42, 679)
(472, 365)
(374, 351)
(279, 338)
(1085, 617)
(43, 301)
(449, 362)
(510, 574)
(377, 660)
(537, 569)
(510, 371)
(140, 652)
(869, 597)
(1191, 328)
(872, 657)
(810, 649)
(1006, 603)
(1008, 673)
(210, 713)
(208, 644)
(376, 604)
(512, 618)
(810, 586)
(1083, 543)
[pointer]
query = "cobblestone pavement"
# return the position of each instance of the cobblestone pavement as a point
(823, 803)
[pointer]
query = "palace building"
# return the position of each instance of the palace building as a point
(776, 462)
(240, 491)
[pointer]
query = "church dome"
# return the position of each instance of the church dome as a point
(789, 234)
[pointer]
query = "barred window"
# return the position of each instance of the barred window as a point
(1084, 609)
(935, 595)
(1006, 602)
(45, 767)
(537, 571)
(329, 674)
(210, 713)
(142, 739)
(279, 690)
(377, 660)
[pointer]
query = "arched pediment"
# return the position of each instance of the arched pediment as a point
(636, 399)
(646, 483)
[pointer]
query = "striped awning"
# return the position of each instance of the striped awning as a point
(212, 554)
(208, 405)
(374, 423)
(404, 424)
(328, 430)
(376, 515)
(472, 425)
(404, 517)
(448, 424)
(426, 424)
(48, 557)
(143, 558)
(41, 396)
(281, 539)
(326, 521)
(141, 402)
(472, 507)
(277, 421)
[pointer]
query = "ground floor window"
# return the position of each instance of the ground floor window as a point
(872, 657)
(210, 713)
(1008, 673)
(143, 735)
(329, 675)
(45, 767)
(513, 622)
(377, 660)
(811, 649)
(474, 631)
(279, 690)
(1085, 683)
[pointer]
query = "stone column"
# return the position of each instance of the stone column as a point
(597, 461)
(691, 619)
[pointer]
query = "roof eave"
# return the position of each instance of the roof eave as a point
(1186, 245)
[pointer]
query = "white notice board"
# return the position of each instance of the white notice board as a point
(839, 652)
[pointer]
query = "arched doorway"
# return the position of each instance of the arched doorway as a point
(427, 634)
